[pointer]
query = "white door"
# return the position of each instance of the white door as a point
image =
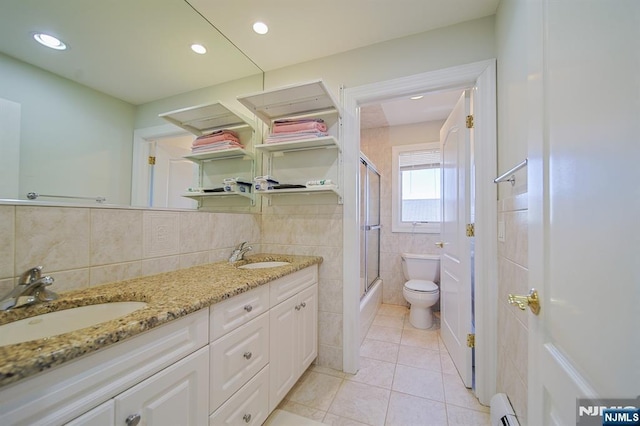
(172, 174)
(584, 202)
(455, 260)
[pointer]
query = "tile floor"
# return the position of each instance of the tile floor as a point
(406, 378)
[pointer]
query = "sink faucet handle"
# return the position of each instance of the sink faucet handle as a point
(44, 294)
(241, 245)
(30, 275)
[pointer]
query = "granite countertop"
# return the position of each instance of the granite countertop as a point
(169, 296)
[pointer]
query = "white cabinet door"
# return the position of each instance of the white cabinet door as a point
(177, 395)
(308, 327)
(294, 341)
(103, 415)
(282, 365)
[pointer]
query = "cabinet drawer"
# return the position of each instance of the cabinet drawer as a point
(232, 313)
(237, 357)
(102, 415)
(285, 287)
(250, 406)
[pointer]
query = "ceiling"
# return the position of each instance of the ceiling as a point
(303, 30)
(396, 112)
(138, 50)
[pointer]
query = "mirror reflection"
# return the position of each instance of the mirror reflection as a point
(68, 117)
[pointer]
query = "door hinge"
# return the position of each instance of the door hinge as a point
(471, 230)
(469, 121)
(471, 340)
(152, 160)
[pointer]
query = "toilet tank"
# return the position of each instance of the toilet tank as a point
(421, 266)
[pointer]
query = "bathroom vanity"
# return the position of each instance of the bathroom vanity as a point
(220, 350)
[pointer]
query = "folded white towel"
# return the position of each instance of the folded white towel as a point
(319, 182)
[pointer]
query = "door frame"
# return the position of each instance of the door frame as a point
(140, 173)
(482, 76)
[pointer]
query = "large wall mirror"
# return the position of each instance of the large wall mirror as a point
(68, 118)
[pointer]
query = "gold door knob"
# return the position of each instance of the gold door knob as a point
(440, 244)
(531, 300)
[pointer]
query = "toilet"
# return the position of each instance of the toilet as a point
(422, 272)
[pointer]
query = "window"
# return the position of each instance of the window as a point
(416, 188)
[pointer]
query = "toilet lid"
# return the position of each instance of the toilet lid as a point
(421, 285)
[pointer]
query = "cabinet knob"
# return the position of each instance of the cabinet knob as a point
(133, 420)
(298, 307)
(247, 355)
(248, 308)
(246, 418)
(303, 304)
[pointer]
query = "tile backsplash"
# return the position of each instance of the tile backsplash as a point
(83, 246)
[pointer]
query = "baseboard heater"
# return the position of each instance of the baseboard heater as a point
(502, 413)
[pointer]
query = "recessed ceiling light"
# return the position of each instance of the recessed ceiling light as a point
(49, 41)
(415, 98)
(198, 48)
(260, 27)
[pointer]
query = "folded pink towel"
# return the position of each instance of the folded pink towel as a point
(220, 135)
(298, 126)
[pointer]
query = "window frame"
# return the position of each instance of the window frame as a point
(396, 191)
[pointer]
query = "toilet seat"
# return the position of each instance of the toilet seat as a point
(422, 286)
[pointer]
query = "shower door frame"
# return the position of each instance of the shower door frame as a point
(366, 227)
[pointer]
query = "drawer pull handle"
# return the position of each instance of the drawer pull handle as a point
(246, 418)
(133, 420)
(248, 308)
(247, 355)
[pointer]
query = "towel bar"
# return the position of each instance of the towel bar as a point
(35, 195)
(510, 173)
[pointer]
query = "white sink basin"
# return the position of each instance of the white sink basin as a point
(260, 265)
(65, 321)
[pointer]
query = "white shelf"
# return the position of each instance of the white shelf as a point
(206, 118)
(323, 142)
(290, 101)
(309, 190)
(200, 195)
(219, 154)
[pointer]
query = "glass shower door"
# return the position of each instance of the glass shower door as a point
(370, 225)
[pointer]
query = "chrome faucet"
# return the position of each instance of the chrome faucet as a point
(238, 252)
(31, 289)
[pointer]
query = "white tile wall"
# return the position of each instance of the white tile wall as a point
(512, 322)
(313, 230)
(161, 234)
(55, 237)
(7, 236)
